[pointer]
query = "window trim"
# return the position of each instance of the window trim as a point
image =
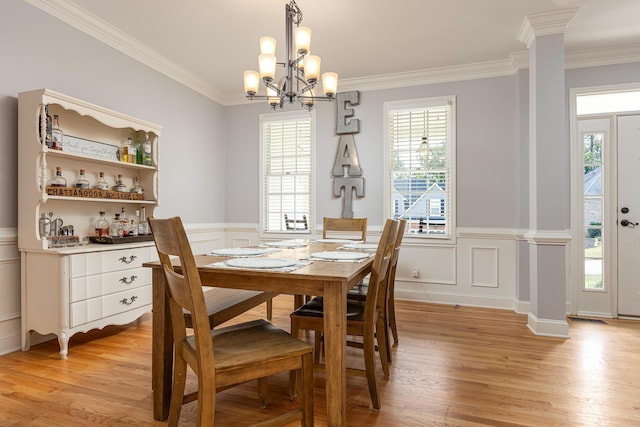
(282, 116)
(391, 106)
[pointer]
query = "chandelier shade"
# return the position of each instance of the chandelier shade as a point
(301, 69)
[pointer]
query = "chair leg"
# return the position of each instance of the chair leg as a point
(307, 390)
(177, 393)
(263, 390)
(391, 307)
(382, 337)
(293, 374)
(370, 368)
(318, 345)
(269, 309)
(206, 399)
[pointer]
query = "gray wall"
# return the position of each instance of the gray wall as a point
(39, 51)
(487, 163)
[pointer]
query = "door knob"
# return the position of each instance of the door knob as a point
(627, 223)
(624, 210)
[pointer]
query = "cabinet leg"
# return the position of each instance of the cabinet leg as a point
(26, 340)
(63, 341)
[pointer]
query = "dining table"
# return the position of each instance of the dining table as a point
(329, 279)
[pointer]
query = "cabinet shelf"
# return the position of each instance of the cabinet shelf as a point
(62, 155)
(47, 197)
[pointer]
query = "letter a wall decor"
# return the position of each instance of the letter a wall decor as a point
(347, 173)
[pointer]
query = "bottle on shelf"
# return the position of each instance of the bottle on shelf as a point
(137, 188)
(115, 228)
(102, 225)
(101, 184)
(44, 225)
(134, 221)
(119, 186)
(129, 152)
(48, 127)
(58, 180)
(143, 225)
(56, 134)
(146, 151)
(125, 222)
(139, 149)
(81, 182)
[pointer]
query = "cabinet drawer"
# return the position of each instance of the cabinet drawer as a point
(110, 305)
(103, 284)
(107, 261)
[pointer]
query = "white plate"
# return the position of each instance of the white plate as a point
(238, 252)
(261, 262)
(364, 246)
(337, 255)
(286, 244)
(337, 241)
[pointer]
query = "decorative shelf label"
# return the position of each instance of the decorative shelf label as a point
(91, 193)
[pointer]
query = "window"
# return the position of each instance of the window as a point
(420, 165)
(286, 170)
(593, 210)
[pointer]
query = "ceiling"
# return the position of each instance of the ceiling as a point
(207, 44)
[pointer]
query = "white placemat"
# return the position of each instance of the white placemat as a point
(288, 244)
(242, 252)
(361, 246)
(337, 241)
(340, 256)
(297, 264)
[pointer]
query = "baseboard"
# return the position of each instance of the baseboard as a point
(548, 327)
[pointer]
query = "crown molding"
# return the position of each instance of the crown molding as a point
(113, 37)
(545, 24)
(536, 25)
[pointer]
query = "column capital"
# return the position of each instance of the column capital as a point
(545, 24)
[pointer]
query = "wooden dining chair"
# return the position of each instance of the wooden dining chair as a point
(296, 224)
(344, 228)
(364, 318)
(224, 357)
(360, 291)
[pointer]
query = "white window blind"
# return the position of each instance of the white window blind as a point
(420, 142)
(287, 170)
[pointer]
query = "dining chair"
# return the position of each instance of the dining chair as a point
(296, 224)
(223, 357)
(344, 228)
(364, 318)
(359, 292)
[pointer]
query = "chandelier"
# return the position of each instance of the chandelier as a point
(301, 69)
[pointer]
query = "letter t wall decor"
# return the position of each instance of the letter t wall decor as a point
(347, 174)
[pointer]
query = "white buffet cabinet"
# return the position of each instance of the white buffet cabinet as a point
(71, 286)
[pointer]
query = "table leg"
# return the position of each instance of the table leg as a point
(335, 337)
(161, 348)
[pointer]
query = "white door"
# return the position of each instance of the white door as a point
(628, 216)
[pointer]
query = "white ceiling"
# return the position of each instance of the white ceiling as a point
(208, 43)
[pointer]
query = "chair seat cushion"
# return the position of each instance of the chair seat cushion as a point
(315, 308)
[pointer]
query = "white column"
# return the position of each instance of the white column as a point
(549, 194)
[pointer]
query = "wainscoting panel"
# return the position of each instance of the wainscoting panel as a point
(9, 291)
(484, 267)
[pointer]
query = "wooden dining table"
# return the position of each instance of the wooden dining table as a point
(330, 279)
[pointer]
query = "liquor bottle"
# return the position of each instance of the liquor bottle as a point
(125, 222)
(58, 180)
(48, 127)
(102, 226)
(143, 225)
(44, 225)
(119, 186)
(56, 134)
(134, 224)
(137, 188)
(115, 228)
(139, 149)
(101, 184)
(81, 182)
(146, 155)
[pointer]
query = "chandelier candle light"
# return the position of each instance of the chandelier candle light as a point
(302, 70)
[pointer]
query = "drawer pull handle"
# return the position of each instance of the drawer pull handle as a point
(128, 281)
(125, 301)
(124, 259)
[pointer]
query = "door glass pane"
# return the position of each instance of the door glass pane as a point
(593, 211)
(593, 258)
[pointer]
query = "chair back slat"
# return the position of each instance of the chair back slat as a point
(344, 228)
(383, 291)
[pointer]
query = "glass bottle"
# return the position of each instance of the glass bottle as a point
(44, 225)
(146, 155)
(58, 180)
(143, 224)
(81, 182)
(125, 222)
(139, 149)
(56, 134)
(119, 184)
(101, 184)
(134, 224)
(115, 228)
(102, 226)
(137, 188)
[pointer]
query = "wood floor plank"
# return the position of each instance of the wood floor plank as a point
(454, 366)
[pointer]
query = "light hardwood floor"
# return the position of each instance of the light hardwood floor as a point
(454, 366)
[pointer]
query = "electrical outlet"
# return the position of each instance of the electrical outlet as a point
(415, 272)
